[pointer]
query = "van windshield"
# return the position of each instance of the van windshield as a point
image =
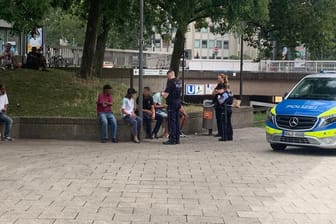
(317, 88)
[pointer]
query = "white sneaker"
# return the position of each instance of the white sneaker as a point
(182, 135)
(8, 139)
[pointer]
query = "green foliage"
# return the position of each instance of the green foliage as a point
(55, 93)
(63, 24)
(26, 15)
(293, 22)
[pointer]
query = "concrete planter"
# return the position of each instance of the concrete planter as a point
(89, 128)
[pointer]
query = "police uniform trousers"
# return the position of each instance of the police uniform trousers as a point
(218, 112)
(225, 124)
(174, 121)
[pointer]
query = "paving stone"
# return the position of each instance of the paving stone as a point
(199, 181)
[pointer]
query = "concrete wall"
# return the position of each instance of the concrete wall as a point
(254, 83)
(89, 128)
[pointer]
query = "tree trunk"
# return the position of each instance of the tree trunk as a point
(178, 49)
(100, 48)
(90, 40)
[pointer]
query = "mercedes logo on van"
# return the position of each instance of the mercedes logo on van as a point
(293, 122)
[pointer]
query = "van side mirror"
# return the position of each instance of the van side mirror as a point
(285, 95)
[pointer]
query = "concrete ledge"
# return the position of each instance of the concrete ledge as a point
(89, 128)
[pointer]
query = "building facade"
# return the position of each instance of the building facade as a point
(204, 44)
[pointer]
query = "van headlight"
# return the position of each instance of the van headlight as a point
(327, 120)
(270, 117)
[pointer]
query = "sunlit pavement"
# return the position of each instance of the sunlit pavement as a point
(201, 180)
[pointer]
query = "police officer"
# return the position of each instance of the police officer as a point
(172, 95)
(222, 79)
(225, 100)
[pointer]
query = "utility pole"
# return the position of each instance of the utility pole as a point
(241, 68)
(140, 91)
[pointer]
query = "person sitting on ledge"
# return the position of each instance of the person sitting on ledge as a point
(3, 113)
(106, 117)
(127, 110)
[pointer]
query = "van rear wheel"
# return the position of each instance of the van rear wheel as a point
(278, 147)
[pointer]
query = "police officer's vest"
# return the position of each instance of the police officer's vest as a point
(229, 100)
(176, 92)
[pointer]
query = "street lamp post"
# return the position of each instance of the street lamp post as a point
(140, 90)
(241, 68)
(183, 67)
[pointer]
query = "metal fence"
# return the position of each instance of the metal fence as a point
(297, 66)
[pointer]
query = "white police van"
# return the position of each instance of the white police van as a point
(306, 116)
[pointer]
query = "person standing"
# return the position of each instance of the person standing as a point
(172, 95)
(105, 115)
(149, 114)
(225, 100)
(3, 113)
(127, 110)
(222, 79)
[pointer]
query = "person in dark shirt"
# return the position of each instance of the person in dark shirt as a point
(225, 99)
(36, 60)
(172, 95)
(222, 79)
(149, 114)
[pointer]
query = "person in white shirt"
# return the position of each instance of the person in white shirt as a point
(4, 118)
(161, 109)
(128, 113)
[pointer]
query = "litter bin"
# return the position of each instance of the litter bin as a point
(208, 115)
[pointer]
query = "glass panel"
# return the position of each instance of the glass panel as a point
(226, 44)
(197, 44)
(204, 44)
(219, 43)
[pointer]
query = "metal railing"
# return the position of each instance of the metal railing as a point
(297, 66)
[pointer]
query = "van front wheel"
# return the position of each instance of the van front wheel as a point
(278, 147)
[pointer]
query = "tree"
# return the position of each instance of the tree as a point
(64, 25)
(227, 14)
(90, 39)
(113, 16)
(22, 13)
(296, 22)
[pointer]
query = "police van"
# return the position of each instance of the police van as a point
(306, 116)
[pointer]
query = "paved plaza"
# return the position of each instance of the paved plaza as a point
(199, 181)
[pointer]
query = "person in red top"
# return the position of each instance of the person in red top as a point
(105, 115)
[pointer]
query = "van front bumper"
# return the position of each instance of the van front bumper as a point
(321, 138)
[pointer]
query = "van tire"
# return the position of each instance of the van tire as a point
(278, 147)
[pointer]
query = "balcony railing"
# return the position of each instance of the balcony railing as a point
(297, 66)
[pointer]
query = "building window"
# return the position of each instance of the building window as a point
(204, 30)
(219, 43)
(204, 44)
(204, 57)
(211, 44)
(226, 44)
(197, 44)
(158, 43)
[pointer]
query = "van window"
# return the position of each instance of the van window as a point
(315, 88)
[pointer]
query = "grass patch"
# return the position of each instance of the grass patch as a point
(59, 93)
(55, 93)
(259, 119)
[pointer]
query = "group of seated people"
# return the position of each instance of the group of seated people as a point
(8, 61)
(153, 109)
(35, 59)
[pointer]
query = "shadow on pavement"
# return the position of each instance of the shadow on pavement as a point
(311, 151)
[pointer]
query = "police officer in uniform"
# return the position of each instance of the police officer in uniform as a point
(225, 100)
(222, 79)
(172, 95)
